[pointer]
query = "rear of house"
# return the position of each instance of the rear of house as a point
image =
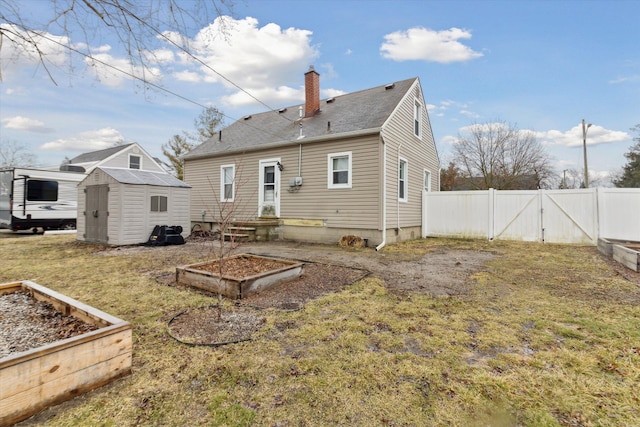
(352, 164)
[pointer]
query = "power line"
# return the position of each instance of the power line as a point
(147, 82)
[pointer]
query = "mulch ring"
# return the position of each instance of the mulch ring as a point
(207, 326)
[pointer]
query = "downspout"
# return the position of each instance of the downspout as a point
(406, 188)
(384, 194)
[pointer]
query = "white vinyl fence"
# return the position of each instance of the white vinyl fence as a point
(555, 216)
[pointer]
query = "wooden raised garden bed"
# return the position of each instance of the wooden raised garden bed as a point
(242, 274)
(625, 252)
(33, 380)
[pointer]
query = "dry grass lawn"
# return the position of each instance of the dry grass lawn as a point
(550, 336)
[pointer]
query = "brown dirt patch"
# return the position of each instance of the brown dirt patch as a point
(214, 326)
(441, 272)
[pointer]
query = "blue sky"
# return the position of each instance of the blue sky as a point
(540, 65)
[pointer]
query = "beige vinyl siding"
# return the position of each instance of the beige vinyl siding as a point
(420, 154)
(121, 160)
(355, 207)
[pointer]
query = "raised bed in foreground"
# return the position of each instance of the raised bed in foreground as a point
(33, 380)
(202, 277)
(625, 252)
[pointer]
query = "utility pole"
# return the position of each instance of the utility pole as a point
(585, 128)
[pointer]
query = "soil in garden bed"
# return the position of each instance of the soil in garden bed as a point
(26, 323)
(241, 267)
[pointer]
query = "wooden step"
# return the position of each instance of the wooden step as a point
(235, 228)
(238, 237)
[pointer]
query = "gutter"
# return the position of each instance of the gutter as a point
(306, 140)
(384, 195)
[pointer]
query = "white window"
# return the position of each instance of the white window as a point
(427, 180)
(135, 162)
(158, 203)
(417, 119)
(403, 173)
(339, 170)
(227, 183)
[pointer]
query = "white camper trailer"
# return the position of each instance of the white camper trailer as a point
(38, 199)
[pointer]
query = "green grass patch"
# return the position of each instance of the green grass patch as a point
(549, 336)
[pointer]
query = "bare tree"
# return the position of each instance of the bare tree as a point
(14, 155)
(498, 155)
(227, 209)
(207, 123)
(79, 27)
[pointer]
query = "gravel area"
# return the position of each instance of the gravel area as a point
(26, 323)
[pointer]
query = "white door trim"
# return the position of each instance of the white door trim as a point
(273, 162)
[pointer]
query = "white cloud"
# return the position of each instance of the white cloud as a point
(114, 72)
(188, 76)
(281, 94)
(626, 79)
(86, 141)
(448, 140)
(470, 114)
(160, 56)
(573, 137)
(424, 44)
(26, 124)
(18, 51)
(261, 60)
(329, 93)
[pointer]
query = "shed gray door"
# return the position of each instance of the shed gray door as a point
(96, 213)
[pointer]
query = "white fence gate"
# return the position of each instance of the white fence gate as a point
(556, 216)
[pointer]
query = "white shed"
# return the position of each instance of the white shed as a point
(121, 206)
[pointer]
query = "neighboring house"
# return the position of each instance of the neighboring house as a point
(118, 206)
(350, 164)
(128, 156)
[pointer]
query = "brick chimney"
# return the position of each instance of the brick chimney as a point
(311, 92)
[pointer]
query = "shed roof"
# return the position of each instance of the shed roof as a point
(358, 111)
(141, 177)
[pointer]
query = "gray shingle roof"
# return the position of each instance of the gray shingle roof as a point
(357, 111)
(96, 156)
(140, 177)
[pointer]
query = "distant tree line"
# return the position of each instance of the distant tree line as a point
(500, 156)
(497, 155)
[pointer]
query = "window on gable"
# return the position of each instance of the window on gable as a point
(427, 180)
(417, 119)
(227, 183)
(134, 161)
(403, 189)
(158, 203)
(339, 170)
